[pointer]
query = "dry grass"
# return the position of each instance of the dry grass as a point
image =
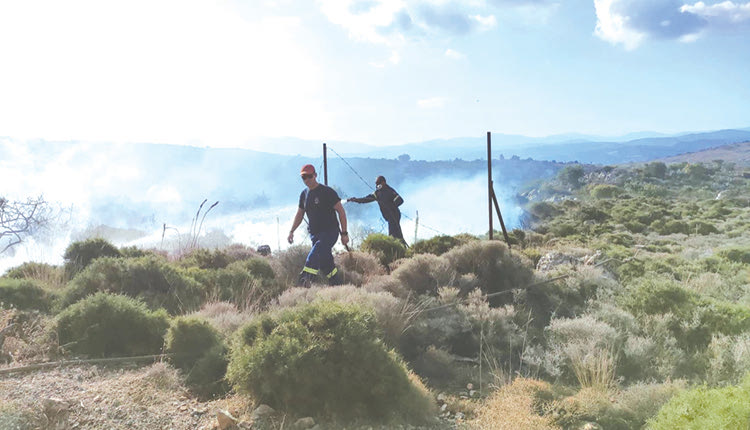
(513, 407)
(224, 316)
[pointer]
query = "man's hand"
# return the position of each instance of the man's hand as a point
(290, 239)
(345, 239)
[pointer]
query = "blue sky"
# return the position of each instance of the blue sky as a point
(224, 73)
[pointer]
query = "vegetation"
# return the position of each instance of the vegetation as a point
(623, 302)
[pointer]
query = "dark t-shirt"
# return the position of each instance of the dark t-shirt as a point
(318, 205)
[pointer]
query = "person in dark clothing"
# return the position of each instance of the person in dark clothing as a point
(321, 204)
(389, 201)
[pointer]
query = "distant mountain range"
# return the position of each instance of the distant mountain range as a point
(633, 147)
(737, 153)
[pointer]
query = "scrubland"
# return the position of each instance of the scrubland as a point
(623, 303)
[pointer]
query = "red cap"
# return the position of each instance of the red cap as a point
(307, 168)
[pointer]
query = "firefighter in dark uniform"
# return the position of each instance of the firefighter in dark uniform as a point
(321, 204)
(389, 201)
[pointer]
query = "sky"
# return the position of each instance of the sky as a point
(381, 72)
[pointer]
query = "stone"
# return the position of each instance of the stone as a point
(304, 423)
(441, 397)
(262, 412)
(225, 420)
(57, 412)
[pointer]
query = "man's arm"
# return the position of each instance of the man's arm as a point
(369, 198)
(342, 220)
(297, 221)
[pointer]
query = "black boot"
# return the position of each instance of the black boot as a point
(305, 279)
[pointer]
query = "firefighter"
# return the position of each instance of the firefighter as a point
(321, 204)
(389, 201)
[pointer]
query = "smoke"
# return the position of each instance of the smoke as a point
(127, 193)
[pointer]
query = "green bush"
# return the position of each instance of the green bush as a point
(706, 408)
(388, 249)
(106, 325)
(656, 169)
(148, 278)
(437, 245)
(571, 175)
(653, 296)
(606, 191)
(200, 353)
(702, 228)
(243, 283)
(24, 294)
(205, 259)
(737, 255)
(543, 210)
(78, 255)
(287, 359)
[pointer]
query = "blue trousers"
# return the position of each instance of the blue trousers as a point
(320, 259)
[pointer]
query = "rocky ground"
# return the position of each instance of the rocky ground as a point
(135, 397)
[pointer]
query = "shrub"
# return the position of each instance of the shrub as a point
(518, 405)
(284, 359)
(582, 349)
(606, 191)
(591, 405)
(106, 325)
(729, 359)
(289, 263)
(205, 259)
(247, 284)
(358, 267)
(494, 266)
(656, 169)
(24, 294)
(702, 228)
(737, 255)
(437, 245)
(200, 353)
(543, 210)
(571, 176)
(644, 400)
(705, 408)
(78, 255)
(388, 249)
(49, 275)
(424, 273)
(148, 278)
(391, 314)
(224, 316)
(653, 296)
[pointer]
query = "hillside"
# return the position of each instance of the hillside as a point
(737, 153)
(623, 301)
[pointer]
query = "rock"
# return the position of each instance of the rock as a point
(304, 423)
(57, 411)
(460, 416)
(263, 412)
(225, 420)
(441, 397)
(590, 426)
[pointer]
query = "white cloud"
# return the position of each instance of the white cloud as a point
(726, 12)
(162, 70)
(486, 22)
(631, 22)
(454, 55)
(432, 103)
(613, 28)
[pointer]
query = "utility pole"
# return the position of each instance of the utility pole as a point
(489, 179)
(325, 164)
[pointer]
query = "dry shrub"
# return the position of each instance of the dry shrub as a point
(289, 263)
(239, 252)
(591, 405)
(584, 347)
(495, 267)
(358, 267)
(162, 377)
(728, 358)
(388, 284)
(50, 276)
(391, 314)
(224, 316)
(515, 406)
(424, 273)
(644, 400)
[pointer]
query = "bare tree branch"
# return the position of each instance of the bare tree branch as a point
(21, 219)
